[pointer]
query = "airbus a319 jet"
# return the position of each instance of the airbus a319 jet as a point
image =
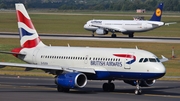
(127, 27)
(74, 66)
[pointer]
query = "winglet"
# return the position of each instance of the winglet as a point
(157, 14)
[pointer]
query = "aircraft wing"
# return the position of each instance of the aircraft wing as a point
(163, 59)
(170, 23)
(110, 28)
(48, 67)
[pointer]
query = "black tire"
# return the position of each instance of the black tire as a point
(113, 35)
(131, 35)
(111, 87)
(108, 87)
(62, 89)
(105, 87)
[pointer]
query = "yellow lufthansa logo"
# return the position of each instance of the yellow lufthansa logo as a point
(158, 12)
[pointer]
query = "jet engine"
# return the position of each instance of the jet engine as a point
(143, 83)
(101, 31)
(71, 80)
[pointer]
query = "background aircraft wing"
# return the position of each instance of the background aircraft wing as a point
(110, 28)
(170, 23)
(163, 59)
(48, 67)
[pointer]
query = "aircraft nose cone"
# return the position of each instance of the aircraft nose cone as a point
(85, 26)
(161, 70)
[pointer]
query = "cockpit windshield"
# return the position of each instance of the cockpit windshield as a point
(149, 60)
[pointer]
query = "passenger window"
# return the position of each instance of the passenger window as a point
(145, 60)
(141, 60)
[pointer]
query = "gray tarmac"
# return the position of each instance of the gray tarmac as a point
(13, 88)
(99, 38)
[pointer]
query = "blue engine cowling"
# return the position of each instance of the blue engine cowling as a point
(72, 80)
(143, 83)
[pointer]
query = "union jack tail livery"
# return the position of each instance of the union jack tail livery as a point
(28, 35)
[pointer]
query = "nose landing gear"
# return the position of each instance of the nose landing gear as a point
(138, 90)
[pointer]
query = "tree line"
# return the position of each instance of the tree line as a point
(115, 5)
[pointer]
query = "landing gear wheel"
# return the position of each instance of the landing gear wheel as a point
(105, 87)
(62, 89)
(93, 34)
(131, 35)
(113, 35)
(112, 87)
(138, 90)
(108, 87)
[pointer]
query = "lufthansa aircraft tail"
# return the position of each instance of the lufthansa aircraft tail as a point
(29, 37)
(157, 14)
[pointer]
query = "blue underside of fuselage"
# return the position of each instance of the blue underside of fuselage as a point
(102, 75)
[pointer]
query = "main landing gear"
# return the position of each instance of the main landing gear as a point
(92, 33)
(113, 35)
(108, 87)
(131, 35)
(62, 89)
(138, 90)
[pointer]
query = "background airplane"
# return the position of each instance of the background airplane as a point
(74, 66)
(127, 27)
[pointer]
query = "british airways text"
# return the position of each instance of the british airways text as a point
(106, 63)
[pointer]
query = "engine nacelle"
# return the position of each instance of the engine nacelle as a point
(143, 83)
(101, 31)
(72, 80)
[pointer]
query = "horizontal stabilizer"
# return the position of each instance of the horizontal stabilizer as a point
(8, 52)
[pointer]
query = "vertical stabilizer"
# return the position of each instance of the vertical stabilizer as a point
(29, 37)
(158, 13)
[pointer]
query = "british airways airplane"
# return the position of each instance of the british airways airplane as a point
(127, 27)
(74, 66)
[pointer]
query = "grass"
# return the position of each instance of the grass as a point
(158, 49)
(63, 23)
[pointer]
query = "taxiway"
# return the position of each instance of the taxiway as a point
(99, 38)
(14, 88)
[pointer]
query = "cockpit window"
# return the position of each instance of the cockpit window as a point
(152, 59)
(145, 60)
(141, 60)
(157, 60)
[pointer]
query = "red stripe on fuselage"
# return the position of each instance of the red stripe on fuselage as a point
(125, 56)
(31, 43)
(23, 19)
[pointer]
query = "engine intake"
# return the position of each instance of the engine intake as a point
(72, 80)
(101, 31)
(143, 83)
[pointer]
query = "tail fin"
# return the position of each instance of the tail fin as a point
(29, 37)
(157, 14)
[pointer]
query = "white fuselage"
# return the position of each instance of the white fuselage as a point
(104, 61)
(123, 25)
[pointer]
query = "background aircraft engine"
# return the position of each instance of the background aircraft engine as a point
(143, 83)
(72, 80)
(101, 31)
